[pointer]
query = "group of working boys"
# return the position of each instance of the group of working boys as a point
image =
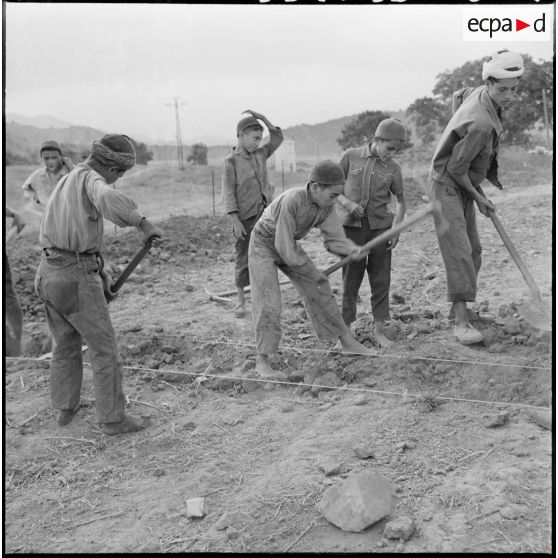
(347, 201)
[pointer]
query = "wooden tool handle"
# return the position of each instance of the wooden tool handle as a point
(431, 207)
(132, 265)
(515, 255)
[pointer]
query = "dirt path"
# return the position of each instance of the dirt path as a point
(257, 451)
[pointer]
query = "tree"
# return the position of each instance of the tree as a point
(429, 117)
(361, 130)
(143, 156)
(525, 111)
(198, 154)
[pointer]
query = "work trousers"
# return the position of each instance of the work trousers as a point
(14, 316)
(75, 306)
(378, 267)
(460, 245)
(312, 286)
(241, 272)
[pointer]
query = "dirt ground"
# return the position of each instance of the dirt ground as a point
(257, 451)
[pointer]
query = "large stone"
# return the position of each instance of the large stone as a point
(400, 528)
(359, 501)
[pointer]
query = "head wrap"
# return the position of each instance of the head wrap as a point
(106, 156)
(50, 145)
(499, 66)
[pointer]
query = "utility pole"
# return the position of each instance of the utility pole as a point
(179, 149)
(548, 144)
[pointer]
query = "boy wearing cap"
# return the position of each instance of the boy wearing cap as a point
(247, 190)
(273, 246)
(40, 184)
(371, 178)
(68, 282)
(465, 156)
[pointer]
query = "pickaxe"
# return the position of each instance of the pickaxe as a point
(431, 208)
(111, 289)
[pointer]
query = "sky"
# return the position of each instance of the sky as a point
(115, 67)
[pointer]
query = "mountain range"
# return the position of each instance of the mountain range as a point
(24, 134)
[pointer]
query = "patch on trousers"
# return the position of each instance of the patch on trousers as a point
(64, 296)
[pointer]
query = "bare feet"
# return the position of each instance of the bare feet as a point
(351, 346)
(385, 334)
(240, 308)
(263, 367)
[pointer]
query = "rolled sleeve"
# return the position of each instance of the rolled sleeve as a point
(113, 205)
(229, 187)
(275, 140)
(285, 242)
(466, 149)
(335, 240)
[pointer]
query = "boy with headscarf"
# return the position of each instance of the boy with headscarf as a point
(69, 284)
(40, 184)
(465, 156)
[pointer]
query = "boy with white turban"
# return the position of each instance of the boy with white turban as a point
(465, 156)
(69, 284)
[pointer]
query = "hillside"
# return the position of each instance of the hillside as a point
(23, 140)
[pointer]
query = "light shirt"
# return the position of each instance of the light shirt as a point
(41, 183)
(73, 218)
(291, 216)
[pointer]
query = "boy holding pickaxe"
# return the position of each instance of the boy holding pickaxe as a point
(68, 281)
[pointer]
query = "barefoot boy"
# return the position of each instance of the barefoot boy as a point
(69, 284)
(247, 190)
(371, 178)
(274, 246)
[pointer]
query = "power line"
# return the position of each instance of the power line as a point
(179, 148)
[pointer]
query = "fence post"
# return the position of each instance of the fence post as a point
(213, 189)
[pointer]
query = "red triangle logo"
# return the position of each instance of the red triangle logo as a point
(519, 25)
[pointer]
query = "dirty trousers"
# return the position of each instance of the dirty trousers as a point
(460, 245)
(241, 273)
(13, 324)
(76, 309)
(312, 286)
(378, 267)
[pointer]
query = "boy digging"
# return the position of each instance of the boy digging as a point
(247, 190)
(466, 155)
(273, 246)
(371, 178)
(69, 284)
